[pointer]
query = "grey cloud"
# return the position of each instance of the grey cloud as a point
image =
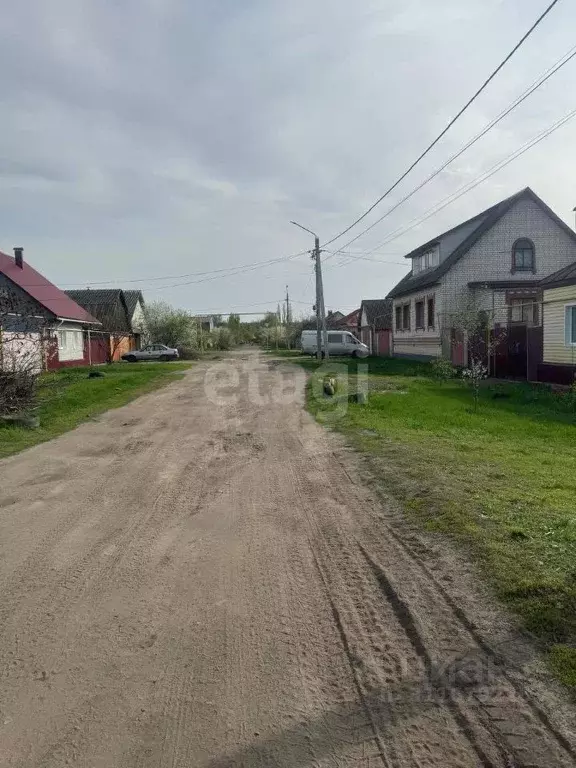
(205, 127)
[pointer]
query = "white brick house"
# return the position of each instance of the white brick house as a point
(495, 260)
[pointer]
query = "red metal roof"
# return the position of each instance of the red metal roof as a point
(45, 292)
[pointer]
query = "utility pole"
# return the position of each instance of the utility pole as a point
(321, 331)
(287, 318)
(321, 309)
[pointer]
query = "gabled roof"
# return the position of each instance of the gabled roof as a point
(564, 276)
(132, 298)
(378, 313)
(43, 291)
(107, 304)
(351, 318)
(457, 241)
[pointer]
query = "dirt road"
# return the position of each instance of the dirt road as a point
(204, 579)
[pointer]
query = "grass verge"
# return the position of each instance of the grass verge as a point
(68, 397)
(501, 481)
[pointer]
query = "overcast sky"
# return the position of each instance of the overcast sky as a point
(148, 138)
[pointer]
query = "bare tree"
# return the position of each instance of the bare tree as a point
(23, 346)
(115, 343)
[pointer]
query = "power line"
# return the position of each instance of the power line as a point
(233, 270)
(450, 124)
(568, 56)
(395, 234)
(360, 255)
(224, 310)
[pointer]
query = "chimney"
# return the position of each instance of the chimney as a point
(19, 257)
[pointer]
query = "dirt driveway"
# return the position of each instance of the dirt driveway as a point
(204, 579)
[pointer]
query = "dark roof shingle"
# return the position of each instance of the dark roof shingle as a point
(107, 304)
(564, 276)
(132, 298)
(378, 313)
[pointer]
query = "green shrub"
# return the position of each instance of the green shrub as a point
(442, 369)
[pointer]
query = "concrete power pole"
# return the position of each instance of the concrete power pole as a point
(287, 318)
(322, 333)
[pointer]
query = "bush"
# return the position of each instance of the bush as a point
(442, 369)
(17, 391)
(222, 339)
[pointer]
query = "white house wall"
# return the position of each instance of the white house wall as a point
(74, 349)
(20, 352)
(138, 319)
(422, 342)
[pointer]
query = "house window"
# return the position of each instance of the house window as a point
(398, 318)
(427, 260)
(70, 341)
(523, 311)
(570, 325)
(523, 256)
(420, 314)
(431, 312)
(406, 317)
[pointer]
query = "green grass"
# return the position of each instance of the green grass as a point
(68, 397)
(501, 481)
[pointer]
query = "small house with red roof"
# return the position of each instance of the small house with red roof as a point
(36, 316)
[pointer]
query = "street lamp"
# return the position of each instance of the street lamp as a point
(321, 332)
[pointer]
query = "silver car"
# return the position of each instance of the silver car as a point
(151, 352)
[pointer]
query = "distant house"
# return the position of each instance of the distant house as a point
(337, 321)
(136, 314)
(115, 312)
(559, 327)
(350, 322)
(333, 319)
(493, 262)
(206, 322)
(38, 318)
(375, 325)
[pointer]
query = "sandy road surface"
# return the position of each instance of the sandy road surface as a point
(194, 585)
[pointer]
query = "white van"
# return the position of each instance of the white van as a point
(339, 343)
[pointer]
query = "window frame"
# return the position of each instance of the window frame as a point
(568, 326)
(532, 267)
(523, 304)
(406, 326)
(333, 334)
(420, 304)
(398, 317)
(431, 302)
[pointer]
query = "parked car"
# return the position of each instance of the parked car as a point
(151, 352)
(339, 343)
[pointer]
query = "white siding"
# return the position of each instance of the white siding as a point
(138, 320)
(418, 341)
(555, 348)
(70, 342)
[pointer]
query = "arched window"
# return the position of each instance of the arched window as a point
(523, 256)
